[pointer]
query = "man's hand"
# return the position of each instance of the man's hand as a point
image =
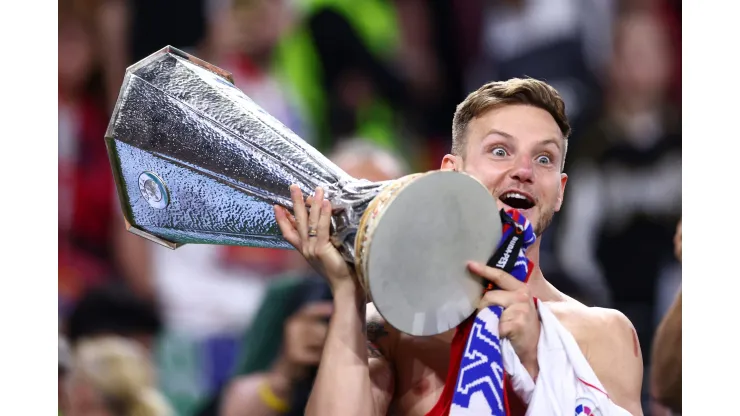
(303, 341)
(519, 322)
(309, 234)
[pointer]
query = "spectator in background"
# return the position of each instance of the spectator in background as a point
(85, 179)
(114, 309)
(345, 62)
(563, 42)
(130, 30)
(113, 376)
(258, 27)
(281, 350)
(625, 192)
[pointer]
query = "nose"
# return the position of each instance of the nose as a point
(522, 170)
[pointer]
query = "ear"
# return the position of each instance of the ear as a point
(561, 191)
(451, 162)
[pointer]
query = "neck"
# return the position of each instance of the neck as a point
(538, 286)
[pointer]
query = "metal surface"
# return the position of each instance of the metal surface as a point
(197, 161)
(418, 249)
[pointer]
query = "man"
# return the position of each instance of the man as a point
(512, 136)
(665, 377)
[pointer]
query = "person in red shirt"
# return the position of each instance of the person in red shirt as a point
(85, 179)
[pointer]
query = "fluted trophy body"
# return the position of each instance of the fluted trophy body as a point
(197, 161)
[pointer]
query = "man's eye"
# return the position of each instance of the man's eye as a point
(499, 151)
(545, 160)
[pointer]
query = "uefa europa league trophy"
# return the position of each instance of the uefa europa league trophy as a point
(197, 161)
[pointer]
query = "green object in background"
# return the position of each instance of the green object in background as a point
(179, 367)
(261, 344)
(297, 64)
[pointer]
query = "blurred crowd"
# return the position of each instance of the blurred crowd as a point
(373, 84)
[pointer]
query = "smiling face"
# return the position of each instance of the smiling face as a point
(517, 151)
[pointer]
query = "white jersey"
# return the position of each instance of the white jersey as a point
(566, 382)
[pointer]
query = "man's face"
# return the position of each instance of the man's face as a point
(517, 152)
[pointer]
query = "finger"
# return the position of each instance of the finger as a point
(498, 298)
(500, 278)
(317, 310)
(287, 227)
(291, 218)
(309, 204)
(313, 218)
(324, 227)
(299, 210)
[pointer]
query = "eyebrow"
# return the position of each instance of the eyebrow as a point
(556, 142)
(499, 133)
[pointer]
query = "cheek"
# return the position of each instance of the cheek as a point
(489, 174)
(550, 192)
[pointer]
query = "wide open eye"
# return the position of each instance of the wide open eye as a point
(499, 151)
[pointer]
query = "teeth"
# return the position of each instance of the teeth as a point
(514, 195)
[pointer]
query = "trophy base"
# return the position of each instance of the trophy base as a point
(413, 246)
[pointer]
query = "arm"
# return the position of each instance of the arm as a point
(354, 377)
(665, 380)
(617, 360)
(347, 381)
(244, 396)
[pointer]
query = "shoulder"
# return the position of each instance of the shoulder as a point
(609, 342)
(591, 322)
(600, 332)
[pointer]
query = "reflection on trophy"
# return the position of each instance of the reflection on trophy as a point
(197, 161)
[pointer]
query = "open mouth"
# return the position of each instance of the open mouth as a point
(516, 200)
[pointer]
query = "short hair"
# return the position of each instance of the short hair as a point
(112, 309)
(527, 91)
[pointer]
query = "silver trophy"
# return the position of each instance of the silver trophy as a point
(197, 161)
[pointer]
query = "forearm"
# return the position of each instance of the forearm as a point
(343, 384)
(666, 359)
(244, 396)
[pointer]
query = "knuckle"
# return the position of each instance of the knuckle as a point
(522, 296)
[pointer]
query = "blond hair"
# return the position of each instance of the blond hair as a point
(120, 371)
(527, 91)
